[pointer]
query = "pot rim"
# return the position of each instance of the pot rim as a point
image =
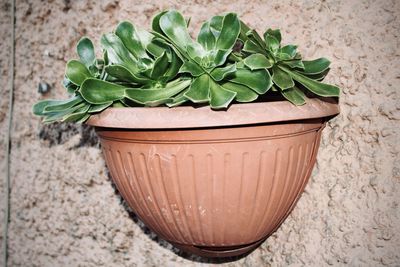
(200, 117)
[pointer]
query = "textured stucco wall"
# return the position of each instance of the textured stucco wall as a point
(65, 210)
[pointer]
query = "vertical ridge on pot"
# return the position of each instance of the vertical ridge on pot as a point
(302, 165)
(135, 188)
(125, 183)
(149, 199)
(283, 194)
(194, 206)
(277, 164)
(286, 193)
(148, 168)
(162, 189)
(239, 203)
(141, 198)
(210, 173)
(260, 189)
(226, 163)
(177, 192)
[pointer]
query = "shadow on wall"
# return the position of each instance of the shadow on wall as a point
(59, 133)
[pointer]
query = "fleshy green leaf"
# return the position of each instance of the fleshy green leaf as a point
(275, 33)
(78, 115)
(85, 50)
(77, 72)
(99, 108)
(70, 86)
(244, 29)
(240, 65)
(220, 56)
(155, 24)
(251, 47)
(195, 51)
(281, 78)
(318, 88)
(105, 56)
(83, 118)
(160, 67)
(117, 53)
(290, 50)
(199, 90)
(235, 57)
(152, 96)
(39, 108)
(297, 63)
(243, 93)
(173, 25)
(229, 32)
(179, 99)
(216, 25)
(257, 61)
(55, 116)
(258, 80)
(192, 68)
(206, 38)
(127, 33)
(220, 97)
(272, 43)
(315, 66)
(121, 104)
(144, 36)
(282, 56)
(253, 35)
(63, 105)
(294, 95)
(123, 74)
(173, 67)
(157, 47)
(98, 92)
(319, 76)
(220, 73)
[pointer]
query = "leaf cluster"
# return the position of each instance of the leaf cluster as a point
(228, 62)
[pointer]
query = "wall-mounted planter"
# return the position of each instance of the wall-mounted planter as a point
(213, 183)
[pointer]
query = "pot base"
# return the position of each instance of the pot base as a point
(218, 252)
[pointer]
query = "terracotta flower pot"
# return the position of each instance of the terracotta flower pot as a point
(215, 183)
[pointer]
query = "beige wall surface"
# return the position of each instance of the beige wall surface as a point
(65, 211)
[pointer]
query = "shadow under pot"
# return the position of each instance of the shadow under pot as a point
(213, 183)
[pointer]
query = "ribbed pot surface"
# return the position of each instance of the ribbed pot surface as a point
(214, 187)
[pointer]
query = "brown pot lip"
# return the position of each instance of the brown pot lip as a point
(236, 115)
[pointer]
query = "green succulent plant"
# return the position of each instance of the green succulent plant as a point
(289, 72)
(227, 62)
(216, 80)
